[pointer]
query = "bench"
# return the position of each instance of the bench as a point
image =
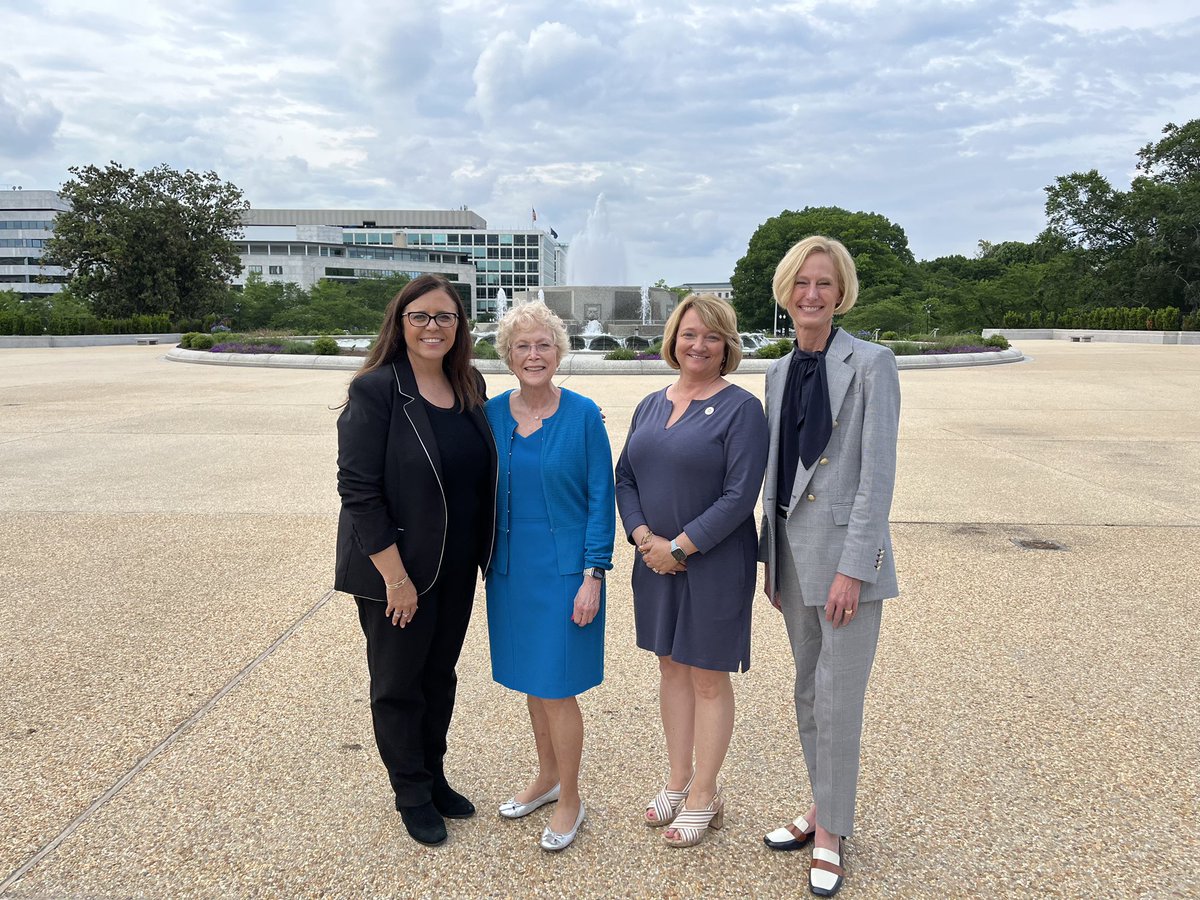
(1076, 338)
(147, 340)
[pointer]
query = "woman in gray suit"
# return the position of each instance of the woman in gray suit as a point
(833, 410)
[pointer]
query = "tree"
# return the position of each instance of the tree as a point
(1142, 245)
(879, 247)
(156, 242)
(679, 292)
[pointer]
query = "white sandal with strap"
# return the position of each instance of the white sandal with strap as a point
(666, 805)
(691, 824)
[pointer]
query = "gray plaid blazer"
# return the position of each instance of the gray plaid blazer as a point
(838, 511)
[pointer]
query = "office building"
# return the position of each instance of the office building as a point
(26, 223)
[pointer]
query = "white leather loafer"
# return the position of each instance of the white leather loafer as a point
(514, 809)
(553, 841)
(826, 874)
(792, 836)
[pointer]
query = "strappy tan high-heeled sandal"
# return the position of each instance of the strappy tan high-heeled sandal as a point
(691, 824)
(666, 805)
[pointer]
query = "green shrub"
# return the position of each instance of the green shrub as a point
(889, 336)
(202, 342)
(185, 342)
(621, 353)
(298, 348)
(997, 340)
(1191, 322)
(486, 350)
(1166, 319)
(906, 348)
(325, 346)
(773, 351)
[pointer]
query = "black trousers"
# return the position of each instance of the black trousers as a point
(413, 681)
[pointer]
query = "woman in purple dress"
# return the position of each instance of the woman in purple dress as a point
(687, 483)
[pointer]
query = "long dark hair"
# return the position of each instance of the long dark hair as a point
(456, 363)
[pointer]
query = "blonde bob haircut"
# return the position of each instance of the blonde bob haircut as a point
(527, 317)
(793, 261)
(716, 314)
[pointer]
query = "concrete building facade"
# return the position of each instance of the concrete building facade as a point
(374, 243)
(306, 246)
(722, 289)
(26, 223)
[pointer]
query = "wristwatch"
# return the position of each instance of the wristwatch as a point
(594, 572)
(678, 552)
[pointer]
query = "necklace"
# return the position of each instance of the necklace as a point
(537, 416)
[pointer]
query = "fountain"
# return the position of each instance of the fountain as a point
(599, 308)
(501, 303)
(597, 256)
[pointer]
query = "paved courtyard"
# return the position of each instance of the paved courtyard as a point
(184, 708)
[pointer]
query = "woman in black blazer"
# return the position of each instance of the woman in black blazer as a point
(417, 478)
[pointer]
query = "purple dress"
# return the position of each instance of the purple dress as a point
(701, 476)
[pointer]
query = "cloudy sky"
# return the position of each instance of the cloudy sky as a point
(696, 120)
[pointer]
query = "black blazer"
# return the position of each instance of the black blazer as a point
(390, 481)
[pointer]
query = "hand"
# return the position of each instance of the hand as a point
(842, 604)
(587, 601)
(658, 557)
(768, 588)
(402, 604)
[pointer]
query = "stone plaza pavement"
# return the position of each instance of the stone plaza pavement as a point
(184, 708)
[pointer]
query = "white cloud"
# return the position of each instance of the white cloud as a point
(697, 120)
(28, 121)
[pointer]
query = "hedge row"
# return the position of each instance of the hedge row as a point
(237, 343)
(20, 323)
(1114, 318)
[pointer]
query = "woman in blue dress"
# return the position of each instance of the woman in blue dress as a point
(556, 519)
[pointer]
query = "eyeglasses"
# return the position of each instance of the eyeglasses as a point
(421, 319)
(543, 349)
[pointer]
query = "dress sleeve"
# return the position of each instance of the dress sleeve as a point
(745, 461)
(362, 447)
(602, 517)
(629, 504)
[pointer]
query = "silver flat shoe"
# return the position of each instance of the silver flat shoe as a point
(514, 809)
(553, 841)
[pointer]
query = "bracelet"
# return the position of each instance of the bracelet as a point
(399, 584)
(649, 535)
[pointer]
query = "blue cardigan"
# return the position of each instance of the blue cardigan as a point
(577, 477)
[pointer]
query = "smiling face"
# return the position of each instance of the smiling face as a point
(815, 294)
(700, 350)
(533, 357)
(430, 342)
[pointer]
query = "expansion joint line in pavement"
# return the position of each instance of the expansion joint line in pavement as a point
(165, 743)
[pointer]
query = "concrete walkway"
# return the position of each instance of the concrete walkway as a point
(184, 708)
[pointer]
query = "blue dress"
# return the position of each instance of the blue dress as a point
(536, 648)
